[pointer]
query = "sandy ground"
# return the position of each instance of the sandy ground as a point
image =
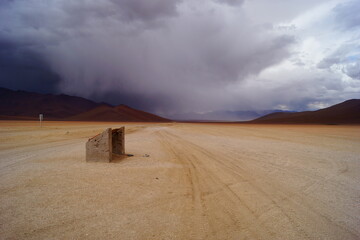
(201, 181)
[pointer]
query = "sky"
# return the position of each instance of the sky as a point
(178, 56)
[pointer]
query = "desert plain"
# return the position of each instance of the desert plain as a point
(185, 181)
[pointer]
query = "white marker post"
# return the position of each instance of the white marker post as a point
(41, 117)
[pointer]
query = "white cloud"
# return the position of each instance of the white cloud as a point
(323, 68)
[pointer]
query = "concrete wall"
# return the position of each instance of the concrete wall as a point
(98, 148)
(101, 147)
(118, 141)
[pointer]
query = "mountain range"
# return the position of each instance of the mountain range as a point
(22, 105)
(221, 115)
(347, 112)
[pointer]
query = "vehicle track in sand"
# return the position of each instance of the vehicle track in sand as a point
(185, 181)
(204, 164)
(224, 217)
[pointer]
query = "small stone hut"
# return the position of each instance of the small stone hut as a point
(103, 146)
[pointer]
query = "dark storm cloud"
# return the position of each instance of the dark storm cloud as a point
(29, 28)
(23, 69)
(147, 10)
(140, 101)
(156, 55)
(83, 12)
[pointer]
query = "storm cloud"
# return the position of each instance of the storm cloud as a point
(23, 69)
(175, 55)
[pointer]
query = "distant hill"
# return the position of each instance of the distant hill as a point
(27, 104)
(347, 112)
(22, 105)
(121, 113)
(225, 115)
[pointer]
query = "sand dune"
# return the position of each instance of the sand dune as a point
(201, 181)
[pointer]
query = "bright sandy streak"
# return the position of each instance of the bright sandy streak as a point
(201, 181)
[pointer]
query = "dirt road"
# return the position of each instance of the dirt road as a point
(200, 181)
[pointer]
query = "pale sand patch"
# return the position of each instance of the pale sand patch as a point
(200, 181)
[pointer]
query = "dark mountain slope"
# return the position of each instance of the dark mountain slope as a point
(21, 103)
(119, 113)
(347, 112)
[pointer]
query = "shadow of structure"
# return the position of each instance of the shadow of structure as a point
(106, 146)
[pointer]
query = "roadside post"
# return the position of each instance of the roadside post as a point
(41, 117)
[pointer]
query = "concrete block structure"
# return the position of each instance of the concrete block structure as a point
(118, 141)
(102, 147)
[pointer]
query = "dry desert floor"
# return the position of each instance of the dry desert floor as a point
(185, 181)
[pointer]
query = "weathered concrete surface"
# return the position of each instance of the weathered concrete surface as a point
(118, 141)
(98, 148)
(101, 147)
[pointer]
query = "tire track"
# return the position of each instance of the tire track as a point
(226, 209)
(284, 203)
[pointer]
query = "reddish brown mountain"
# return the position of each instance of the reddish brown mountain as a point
(21, 105)
(121, 113)
(347, 112)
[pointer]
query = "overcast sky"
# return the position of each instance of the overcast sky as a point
(169, 56)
